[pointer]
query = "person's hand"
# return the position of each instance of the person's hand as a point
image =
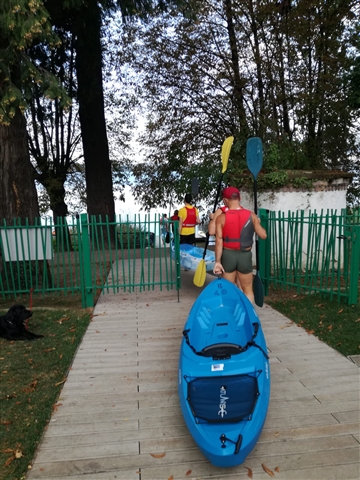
(218, 269)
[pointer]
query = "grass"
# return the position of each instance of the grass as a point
(334, 323)
(32, 374)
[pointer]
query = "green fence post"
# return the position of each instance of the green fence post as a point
(264, 251)
(87, 290)
(177, 257)
(354, 266)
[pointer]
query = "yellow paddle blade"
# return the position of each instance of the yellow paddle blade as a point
(225, 152)
(200, 274)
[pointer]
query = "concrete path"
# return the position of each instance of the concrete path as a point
(118, 416)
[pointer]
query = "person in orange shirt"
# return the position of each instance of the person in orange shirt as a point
(188, 219)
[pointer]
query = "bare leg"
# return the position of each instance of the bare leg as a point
(246, 283)
(238, 284)
(231, 276)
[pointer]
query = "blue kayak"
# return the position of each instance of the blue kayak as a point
(224, 374)
(190, 257)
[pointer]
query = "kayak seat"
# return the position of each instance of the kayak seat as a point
(221, 351)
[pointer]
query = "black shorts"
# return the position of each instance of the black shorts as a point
(189, 239)
(237, 260)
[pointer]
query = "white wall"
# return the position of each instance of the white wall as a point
(297, 200)
(324, 198)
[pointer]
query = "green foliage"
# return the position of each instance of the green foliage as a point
(291, 90)
(134, 236)
(273, 180)
(22, 25)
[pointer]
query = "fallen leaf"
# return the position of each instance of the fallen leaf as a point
(42, 469)
(310, 332)
(277, 469)
(59, 383)
(171, 477)
(18, 454)
(249, 473)
(8, 461)
(97, 331)
(158, 455)
(358, 320)
(188, 473)
(49, 349)
(5, 422)
(329, 327)
(7, 450)
(267, 470)
(340, 311)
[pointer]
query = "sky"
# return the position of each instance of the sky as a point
(130, 207)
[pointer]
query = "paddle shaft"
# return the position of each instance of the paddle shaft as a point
(256, 238)
(214, 209)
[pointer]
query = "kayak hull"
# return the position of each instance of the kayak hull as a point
(224, 374)
(191, 256)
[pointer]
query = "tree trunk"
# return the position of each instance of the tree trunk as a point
(18, 197)
(238, 83)
(99, 188)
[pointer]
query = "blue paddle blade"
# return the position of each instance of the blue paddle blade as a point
(254, 155)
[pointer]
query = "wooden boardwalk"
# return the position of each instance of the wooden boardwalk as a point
(118, 416)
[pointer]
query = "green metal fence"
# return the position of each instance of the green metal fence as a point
(82, 256)
(312, 252)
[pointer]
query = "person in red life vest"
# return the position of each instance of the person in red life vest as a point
(174, 218)
(235, 230)
(188, 219)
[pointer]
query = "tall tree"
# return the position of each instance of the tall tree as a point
(54, 132)
(278, 69)
(84, 20)
(21, 26)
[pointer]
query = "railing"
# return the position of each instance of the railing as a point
(81, 256)
(312, 252)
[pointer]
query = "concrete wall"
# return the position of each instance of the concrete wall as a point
(325, 196)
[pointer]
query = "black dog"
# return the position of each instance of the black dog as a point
(13, 324)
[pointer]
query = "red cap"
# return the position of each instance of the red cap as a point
(229, 192)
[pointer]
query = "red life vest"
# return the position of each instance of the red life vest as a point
(238, 230)
(190, 220)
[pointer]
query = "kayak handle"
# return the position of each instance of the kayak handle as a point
(223, 439)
